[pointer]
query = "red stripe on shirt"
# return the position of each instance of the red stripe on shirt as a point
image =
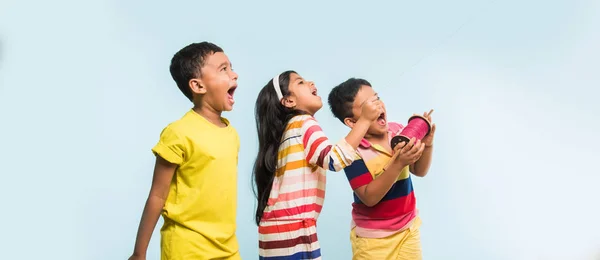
(324, 153)
(387, 209)
(282, 228)
(288, 242)
(314, 146)
(282, 213)
(361, 180)
(309, 132)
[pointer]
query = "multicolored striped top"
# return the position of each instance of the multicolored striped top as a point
(305, 154)
(397, 209)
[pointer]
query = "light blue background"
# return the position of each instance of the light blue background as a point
(85, 91)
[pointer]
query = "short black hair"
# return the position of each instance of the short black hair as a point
(187, 62)
(342, 96)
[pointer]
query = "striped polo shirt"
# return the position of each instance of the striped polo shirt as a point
(397, 209)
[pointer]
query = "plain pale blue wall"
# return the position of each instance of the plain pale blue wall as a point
(85, 92)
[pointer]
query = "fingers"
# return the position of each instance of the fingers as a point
(376, 102)
(432, 129)
(372, 99)
(415, 148)
(427, 114)
(397, 150)
(399, 147)
(418, 154)
(372, 107)
(408, 147)
(421, 149)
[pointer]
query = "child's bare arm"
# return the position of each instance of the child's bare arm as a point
(421, 167)
(163, 174)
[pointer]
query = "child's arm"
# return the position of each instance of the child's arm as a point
(421, 167)
(163, 173)
(320, 152)
(370, 191)
(169, 152)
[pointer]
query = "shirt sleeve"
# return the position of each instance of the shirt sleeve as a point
(320, 152)
(358, 174)
(396, 128)
(170, 146)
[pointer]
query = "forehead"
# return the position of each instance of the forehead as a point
(216, 59)
(363, 94)
(294, 78)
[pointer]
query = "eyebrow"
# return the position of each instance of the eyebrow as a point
(225, 64)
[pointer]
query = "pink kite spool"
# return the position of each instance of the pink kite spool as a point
(417, 127)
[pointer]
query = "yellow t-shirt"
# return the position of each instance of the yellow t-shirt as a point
(200, 211)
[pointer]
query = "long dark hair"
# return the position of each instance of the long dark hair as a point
(271, 119)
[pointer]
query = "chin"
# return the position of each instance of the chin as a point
(319, 103)
(377, 129)
(317, 106)
(227, 107)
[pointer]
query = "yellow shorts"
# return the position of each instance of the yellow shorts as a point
(405, 245)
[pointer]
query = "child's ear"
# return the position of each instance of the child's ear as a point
(289, 102)
(349, 122)
(197, 86)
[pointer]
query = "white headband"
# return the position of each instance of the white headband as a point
(277, 88)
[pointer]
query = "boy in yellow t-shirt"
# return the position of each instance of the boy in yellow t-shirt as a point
(194, 186)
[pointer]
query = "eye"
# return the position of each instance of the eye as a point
(224, 68)
(301, 82)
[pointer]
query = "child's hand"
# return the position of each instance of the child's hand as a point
(371, 109)
(428, 139)
(407, 154)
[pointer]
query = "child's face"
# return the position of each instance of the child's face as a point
(379, 127)
(303, 94)
(219, 82)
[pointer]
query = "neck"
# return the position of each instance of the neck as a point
(377, 138)
(210, 114)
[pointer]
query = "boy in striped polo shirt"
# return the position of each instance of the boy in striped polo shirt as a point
(385, 221)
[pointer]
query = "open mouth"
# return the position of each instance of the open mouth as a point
(314, 92)
(230, 93)
(381, 119)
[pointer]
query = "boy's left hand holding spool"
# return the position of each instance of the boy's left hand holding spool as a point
(428, 139)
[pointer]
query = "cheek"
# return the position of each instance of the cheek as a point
(219, 79)
(306, 98)
(224, 79)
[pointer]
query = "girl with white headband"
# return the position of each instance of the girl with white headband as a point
(294, 155)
